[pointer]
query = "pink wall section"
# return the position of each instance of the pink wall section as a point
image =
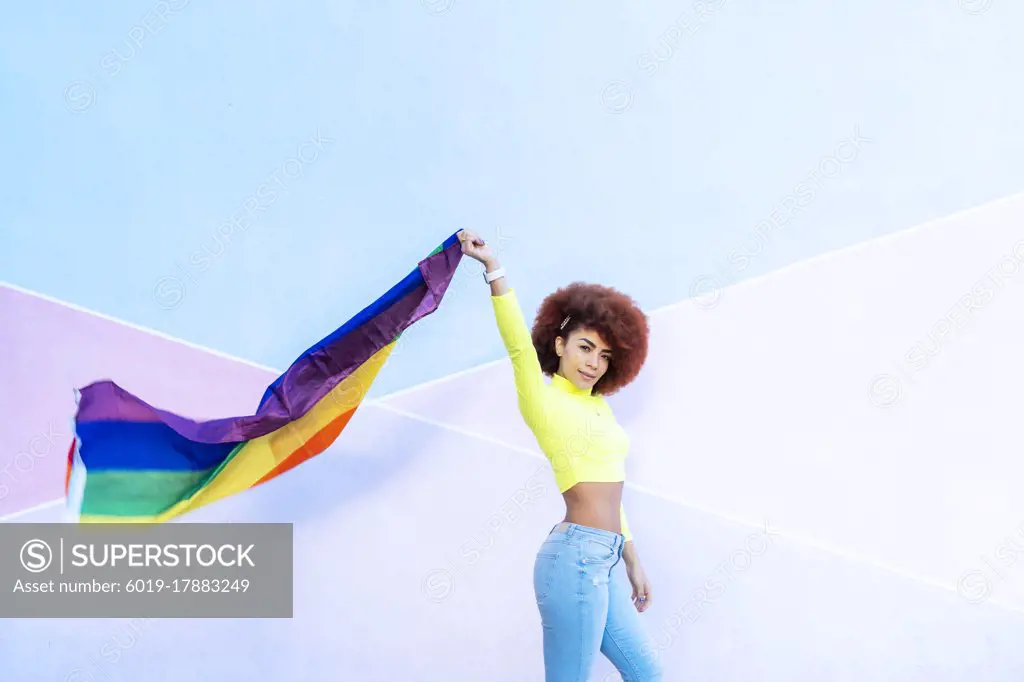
(413, 557)
(47, 350)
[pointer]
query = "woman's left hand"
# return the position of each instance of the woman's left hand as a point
(641, 587)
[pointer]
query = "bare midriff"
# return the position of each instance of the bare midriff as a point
(595, 505)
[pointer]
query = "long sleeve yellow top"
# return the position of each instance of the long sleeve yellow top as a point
(575, 429)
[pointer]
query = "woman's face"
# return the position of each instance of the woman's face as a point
(584, 357)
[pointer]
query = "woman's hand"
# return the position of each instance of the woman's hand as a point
(475, 247)
(641, 586)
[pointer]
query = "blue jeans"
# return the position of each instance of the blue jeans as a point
(586, 606)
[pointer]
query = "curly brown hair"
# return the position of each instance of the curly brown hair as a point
(614, 315)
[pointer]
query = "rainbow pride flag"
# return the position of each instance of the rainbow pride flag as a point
(130, 462)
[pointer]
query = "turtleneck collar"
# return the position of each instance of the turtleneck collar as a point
(563, 384)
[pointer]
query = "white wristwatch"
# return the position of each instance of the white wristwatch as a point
(491, 276)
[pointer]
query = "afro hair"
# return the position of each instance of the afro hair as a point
(614, 315)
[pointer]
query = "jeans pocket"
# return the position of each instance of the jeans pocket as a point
(545, 568)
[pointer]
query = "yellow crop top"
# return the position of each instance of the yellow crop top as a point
(576, 429)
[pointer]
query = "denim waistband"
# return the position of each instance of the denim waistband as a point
(570, 530)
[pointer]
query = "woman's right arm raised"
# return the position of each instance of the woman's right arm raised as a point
(514, 332)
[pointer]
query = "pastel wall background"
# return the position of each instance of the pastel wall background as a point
(834, 441)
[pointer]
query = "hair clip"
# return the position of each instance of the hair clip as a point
(565, 321)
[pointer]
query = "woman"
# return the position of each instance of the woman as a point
(591, 340)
